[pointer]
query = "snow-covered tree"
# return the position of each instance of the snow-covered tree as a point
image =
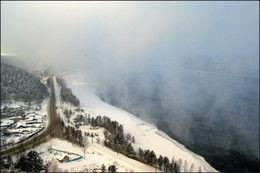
(180, 162)
(199, 170)
(160, 162)
(128, 137)
(185, 166)
(166, 163)
(85, 143)
(31, 162)
(133, 139)
(192, 167)
(141, 154)
(112, 168)
(130, 151)
(35, 162)
(103, 168)
(152, 158)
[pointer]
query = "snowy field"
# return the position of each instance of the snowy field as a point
(95, 155)
(147, 135)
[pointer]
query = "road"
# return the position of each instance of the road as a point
(39, 138)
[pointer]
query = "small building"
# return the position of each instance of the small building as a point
(15, 109)
(65, 158)
(62, 158)
(6, 123)
(31, 115)
(21, 124)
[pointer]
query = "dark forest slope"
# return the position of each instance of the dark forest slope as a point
(19, 85)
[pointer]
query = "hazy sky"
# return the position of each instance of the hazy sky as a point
(116, 35)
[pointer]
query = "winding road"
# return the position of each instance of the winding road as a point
(38, 138)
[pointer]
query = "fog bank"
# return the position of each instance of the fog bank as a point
(182, 64)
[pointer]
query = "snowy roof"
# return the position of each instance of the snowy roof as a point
(60, 156)
(21, 123)
(37, 125)
(30, 115)
(15, 130)
(6, 122)
(38, 116)
(31, 119)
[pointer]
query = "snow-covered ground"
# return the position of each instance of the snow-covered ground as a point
(147, 135)
(95, 156)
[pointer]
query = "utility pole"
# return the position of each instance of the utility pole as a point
(85, 143)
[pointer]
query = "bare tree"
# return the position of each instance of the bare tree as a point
(98, 140)
(92, 136)
(133, 139)
(199, 169)
(192, 167)
(128, 137)
(180, 163)
(185, 166)
(85, 144)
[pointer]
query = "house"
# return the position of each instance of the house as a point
(15, 109)
(65, 158)
(62, 158)
(21, 124)
(31, 115)
(6, 123)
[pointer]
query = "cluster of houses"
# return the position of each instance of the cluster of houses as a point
(18, 110)
(13, 111)
(18, 124)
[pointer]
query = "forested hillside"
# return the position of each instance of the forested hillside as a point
(19, 85)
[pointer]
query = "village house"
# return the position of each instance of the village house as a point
(6, 123)
(16, 110)
(21, 124)
(62, 157)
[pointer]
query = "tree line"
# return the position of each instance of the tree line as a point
(69, 133)
(117, 141)
(66, 93)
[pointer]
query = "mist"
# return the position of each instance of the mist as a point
(167, 62)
